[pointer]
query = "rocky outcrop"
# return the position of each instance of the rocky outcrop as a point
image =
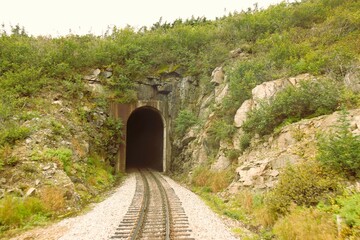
(259, 166)
(264, 93)
(65, 136)
(352, 79)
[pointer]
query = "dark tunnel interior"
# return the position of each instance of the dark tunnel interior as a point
(144, 139)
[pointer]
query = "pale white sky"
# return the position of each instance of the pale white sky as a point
(57, 17)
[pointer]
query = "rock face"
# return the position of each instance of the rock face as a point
(217, 76)
(260, 166)
(265, 92)
(352, 80)
(65, 136)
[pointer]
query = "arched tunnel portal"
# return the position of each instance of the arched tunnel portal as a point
(145, 139)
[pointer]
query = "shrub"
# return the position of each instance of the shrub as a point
(211, 180)
(16, 212)
(310, 99)
(341, 149)
(305, 184)
(232, 154)
(306, 223)
(245, 141)
(62, 155)
(184, 121)
(221, 130)
(52, 198)
(11, 134)
(350, 209)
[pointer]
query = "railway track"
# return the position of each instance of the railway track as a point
(155, 211)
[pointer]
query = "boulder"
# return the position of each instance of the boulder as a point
(30, 192)
(107, 74)
(241, 113)
(221, 163)
(352, 80)
(217, 76)
(220, 93)
(96, 72)
(189, 136)
(248, 175)
(264, 93)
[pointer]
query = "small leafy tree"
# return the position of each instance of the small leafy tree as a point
(341, 150)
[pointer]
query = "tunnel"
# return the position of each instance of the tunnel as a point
(144, 139)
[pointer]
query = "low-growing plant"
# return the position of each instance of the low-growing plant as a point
(232, 154)
(16, 212)
(340, 150)
(5, 152)
(221, 130)
(184, 121)
(305, 184)
(52, 198)
(61, 155)
(350, 209)
(12, 133)
(245, 141)
(310, 99)
(214, 181)
(306, 223)
(57, 128)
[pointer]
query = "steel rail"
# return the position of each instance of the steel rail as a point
(166, 207)
(143, 210)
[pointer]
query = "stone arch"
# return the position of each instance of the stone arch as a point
(123, 113)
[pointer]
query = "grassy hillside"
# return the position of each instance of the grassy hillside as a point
(320, 37)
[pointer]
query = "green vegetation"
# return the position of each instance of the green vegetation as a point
(306, 223)
(310, 99)
(306, 200)
(320, 37)
(350, 210)
(184, 121)
(211, 181)
(61, 155)
(19, 212)
(304, 184)
(220, 130)
(341, 150)
(12, 133)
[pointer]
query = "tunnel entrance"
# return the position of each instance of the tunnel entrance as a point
(144, 139)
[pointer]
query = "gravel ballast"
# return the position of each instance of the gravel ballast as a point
(101, 222)
(204, 223)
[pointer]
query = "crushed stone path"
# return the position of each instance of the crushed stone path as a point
(100, 223)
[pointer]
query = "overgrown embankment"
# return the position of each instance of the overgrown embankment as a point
(57, 139)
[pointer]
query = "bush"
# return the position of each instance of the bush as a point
(52, 198)
(305, 184)
(11, 134)
(245, 141)
(221, 130)
(184, 121)
(350, 209)
(17, 212)
(341, 149)
(211, 180)
(310, 99)
(306, 223)
(61, 155)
